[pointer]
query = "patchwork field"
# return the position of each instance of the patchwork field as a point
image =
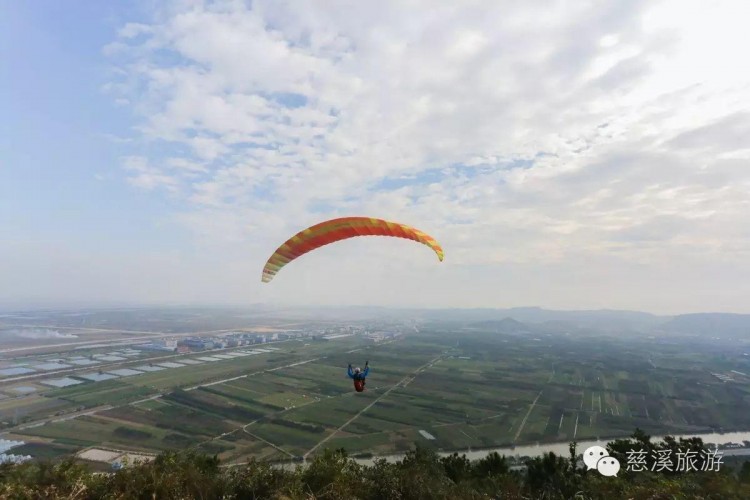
(466, 389)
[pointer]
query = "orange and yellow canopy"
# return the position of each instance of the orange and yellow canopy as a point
(340, 229)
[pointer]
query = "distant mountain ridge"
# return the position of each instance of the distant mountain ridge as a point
(609, 320)
(516, 318)
(709, 323)
(532, 318)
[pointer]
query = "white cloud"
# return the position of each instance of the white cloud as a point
(147, 177)
(631, 118)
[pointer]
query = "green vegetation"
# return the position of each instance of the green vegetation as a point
(421, 474)
(134, 434)
(21, 410)
(469, 388)
(101, 393)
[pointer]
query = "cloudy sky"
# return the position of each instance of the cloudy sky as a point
(565, 154)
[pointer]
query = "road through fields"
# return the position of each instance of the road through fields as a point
(401, 382)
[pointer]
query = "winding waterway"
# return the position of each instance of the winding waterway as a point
(561, 448)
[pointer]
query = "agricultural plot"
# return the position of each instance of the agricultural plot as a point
(125, 372)
(171, 364)
(22, 389)
(149, 404)
(478, 394)
(245, 446)
(561, 397)
(371, 424)
(30, 409)
(88, 431)
(284, 399)
(332, 412)
(253, 404)
(19, 370)
(266, 384)
(375, 443)
(45, 450)
(214, 405)
(187, 361)
(567, 431)
(84, 362)
(186, 376)
(50, 367)
(458, 436)
(293, 439)
(101, 393)
(97, 377)
(187, 425)
(149, 368)
(61, 382)
(240, 390)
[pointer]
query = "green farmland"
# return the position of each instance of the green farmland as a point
(467, 389)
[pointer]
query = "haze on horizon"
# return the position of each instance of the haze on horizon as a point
(565, 155)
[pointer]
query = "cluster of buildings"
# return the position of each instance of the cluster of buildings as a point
(381, 336)
(239, 339)
(198, 344)
(167, 345)
(376, 336)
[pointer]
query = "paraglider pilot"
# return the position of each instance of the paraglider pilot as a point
(359, 376)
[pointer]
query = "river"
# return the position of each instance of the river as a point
(562, 447)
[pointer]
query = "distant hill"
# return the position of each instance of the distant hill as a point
(528, 319)
(710, 324)
(608, 320)
(535, 319)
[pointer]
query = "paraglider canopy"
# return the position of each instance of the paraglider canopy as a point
(340, 229)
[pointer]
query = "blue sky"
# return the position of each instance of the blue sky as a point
(61, 180)
(158, 152)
